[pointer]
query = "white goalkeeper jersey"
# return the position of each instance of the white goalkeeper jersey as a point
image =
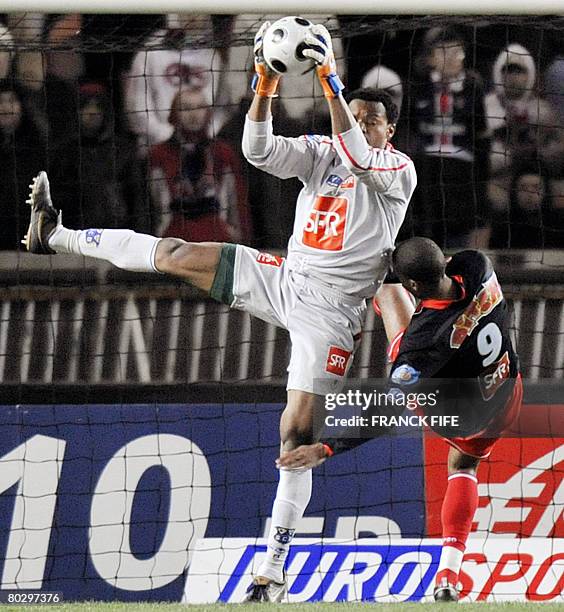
(351, 207)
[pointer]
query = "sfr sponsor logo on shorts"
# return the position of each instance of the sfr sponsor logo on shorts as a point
(325, 226)
(337, 360)
(270, 260)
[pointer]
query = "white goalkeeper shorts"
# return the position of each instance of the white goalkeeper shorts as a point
(324, 323)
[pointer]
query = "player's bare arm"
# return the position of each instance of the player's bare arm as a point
(394, 304)
(260, 108)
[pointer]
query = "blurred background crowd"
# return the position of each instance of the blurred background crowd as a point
(138, 120)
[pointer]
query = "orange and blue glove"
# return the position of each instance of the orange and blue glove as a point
(265, 81)
(320, 50)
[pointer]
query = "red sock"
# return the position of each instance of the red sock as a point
(457, 514)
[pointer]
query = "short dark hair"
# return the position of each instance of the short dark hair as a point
(419, 259)
(370, 94)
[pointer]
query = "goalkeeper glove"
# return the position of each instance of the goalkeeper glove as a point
(320, 50)
(265, 81)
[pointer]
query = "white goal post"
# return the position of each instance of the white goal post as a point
(382, 7)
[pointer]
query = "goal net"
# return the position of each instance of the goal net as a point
(140, 418)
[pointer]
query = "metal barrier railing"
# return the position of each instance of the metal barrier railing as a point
(119, 335)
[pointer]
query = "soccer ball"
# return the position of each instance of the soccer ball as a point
(283, 46)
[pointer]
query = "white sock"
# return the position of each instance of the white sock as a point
(292, 497)
(124, 248)
(451, 559)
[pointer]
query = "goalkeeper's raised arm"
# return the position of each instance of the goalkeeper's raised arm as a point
(363, 128)
(320, 50)
(265, 81)
(277, 155)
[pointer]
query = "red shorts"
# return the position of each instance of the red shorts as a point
(480, 445)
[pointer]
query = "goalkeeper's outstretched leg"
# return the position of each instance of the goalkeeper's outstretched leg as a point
(194, 262)
(211, 267)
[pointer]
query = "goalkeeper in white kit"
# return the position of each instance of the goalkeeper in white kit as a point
(356, 191)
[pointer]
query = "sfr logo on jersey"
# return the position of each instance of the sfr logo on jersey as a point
(325, 227)
(270, 260)
(337, 360)
(494, 376)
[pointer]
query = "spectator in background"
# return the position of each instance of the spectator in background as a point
(102, 36)
(58, 100)
(554, 87)
(530, 221)
(446, 114)
(179, 57)
(6, 51)
(96, 173)
(523, 125)
(22, 154)
(28, 65)
(197, 183)
(48, 76)
(381, 77)
(379, 41)
(554, 231)
(64, 59)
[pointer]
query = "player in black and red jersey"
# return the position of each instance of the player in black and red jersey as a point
(458, 332)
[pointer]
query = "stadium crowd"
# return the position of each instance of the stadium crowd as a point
(148, 136)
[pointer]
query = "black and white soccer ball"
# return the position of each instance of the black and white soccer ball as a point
(283, 46)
